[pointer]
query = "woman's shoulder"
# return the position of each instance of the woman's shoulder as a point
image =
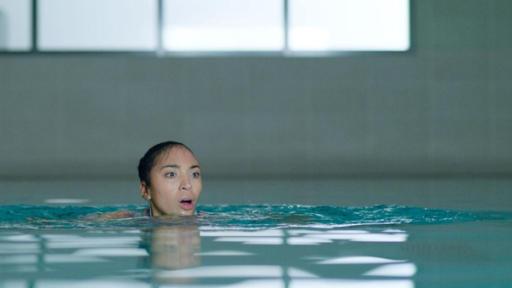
(121, 214)
(117, 215)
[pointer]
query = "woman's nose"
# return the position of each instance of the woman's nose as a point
(185, 183)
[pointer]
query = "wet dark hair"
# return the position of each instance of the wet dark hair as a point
(147, 161)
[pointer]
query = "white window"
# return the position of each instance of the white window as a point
(223, 25)
(206, 25)
(334, 25)
(15, 25)
(116, 25)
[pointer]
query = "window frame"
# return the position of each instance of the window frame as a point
(161, 52)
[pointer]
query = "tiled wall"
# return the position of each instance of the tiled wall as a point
(441, 108)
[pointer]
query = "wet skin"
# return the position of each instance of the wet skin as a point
(175, 183)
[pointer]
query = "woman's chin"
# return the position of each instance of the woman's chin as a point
(174, 213)
(187, 212)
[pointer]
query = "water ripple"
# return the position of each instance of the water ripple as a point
(247, 216)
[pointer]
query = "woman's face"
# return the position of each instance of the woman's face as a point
(175, 183)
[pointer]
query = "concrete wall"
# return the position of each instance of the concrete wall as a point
(442, 108)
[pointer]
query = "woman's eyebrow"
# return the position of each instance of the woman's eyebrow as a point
(170, 166)
(177, 166)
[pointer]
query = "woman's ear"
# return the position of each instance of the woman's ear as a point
(144, 191)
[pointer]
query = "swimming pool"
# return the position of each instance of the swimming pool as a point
(375, 245)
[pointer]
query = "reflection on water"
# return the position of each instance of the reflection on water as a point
(393, 270)
(175, 247)
(326, 247)
(203, 256)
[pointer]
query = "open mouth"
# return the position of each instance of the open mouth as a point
(187, 204)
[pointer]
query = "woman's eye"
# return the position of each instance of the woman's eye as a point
(196, 174)
(170, 174)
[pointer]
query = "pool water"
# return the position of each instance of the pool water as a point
(255, 246)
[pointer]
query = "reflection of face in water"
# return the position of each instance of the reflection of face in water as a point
(175, 247)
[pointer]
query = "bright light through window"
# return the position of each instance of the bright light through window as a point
(349, 25)
(15, 25)
(97, 25)
(206, 25)
(223, 25)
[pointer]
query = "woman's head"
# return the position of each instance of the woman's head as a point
(170, 179)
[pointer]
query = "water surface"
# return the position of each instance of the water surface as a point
(255, 246)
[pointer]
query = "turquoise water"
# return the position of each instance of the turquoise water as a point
(255, 246)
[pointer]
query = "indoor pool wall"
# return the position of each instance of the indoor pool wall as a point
(468, 193)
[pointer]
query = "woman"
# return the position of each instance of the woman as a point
(170, 179)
